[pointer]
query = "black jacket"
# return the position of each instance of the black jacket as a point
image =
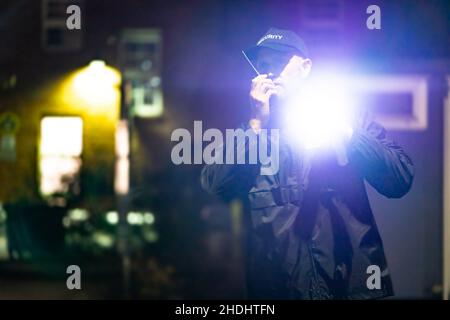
(311, 231)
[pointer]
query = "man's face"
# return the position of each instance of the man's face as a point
(271, 61)
(287, 69)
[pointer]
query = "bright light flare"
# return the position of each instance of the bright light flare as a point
(320, 114)
(96, 84)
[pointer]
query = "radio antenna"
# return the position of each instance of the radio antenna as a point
(250, 63)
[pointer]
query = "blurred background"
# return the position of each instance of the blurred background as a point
(86, 117)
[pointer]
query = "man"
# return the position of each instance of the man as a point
(311, 231)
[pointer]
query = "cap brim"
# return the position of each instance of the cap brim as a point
(252, 52)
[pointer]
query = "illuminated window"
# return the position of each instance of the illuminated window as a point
(398, 102)
(140, 53)
(59, 155)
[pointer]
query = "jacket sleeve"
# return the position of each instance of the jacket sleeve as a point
(381, 161)
(229, 180)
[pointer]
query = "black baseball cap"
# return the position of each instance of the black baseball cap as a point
(279, 40)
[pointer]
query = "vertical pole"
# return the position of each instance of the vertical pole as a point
(122, 187)
(123, 246)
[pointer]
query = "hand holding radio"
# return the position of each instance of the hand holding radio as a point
(262, 89)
